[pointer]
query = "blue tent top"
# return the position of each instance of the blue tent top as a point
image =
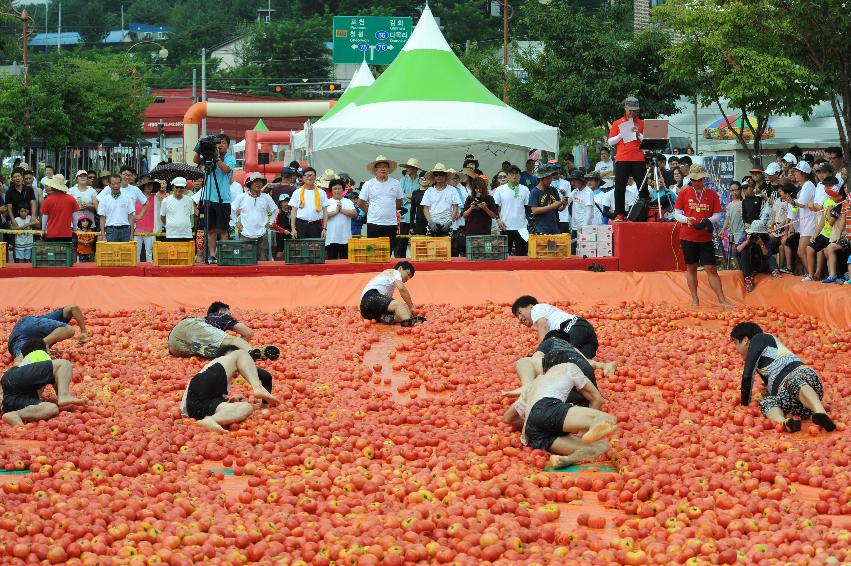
(52, 38)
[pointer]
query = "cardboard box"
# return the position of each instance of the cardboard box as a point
(586, 250)
(604, 229)
(604, 250)
(588, 237)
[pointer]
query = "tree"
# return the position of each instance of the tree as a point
(148, 12)
(28, 112)
(484, 63)
(95, 21)
(822, 39)
(749, 70)
(589, 63)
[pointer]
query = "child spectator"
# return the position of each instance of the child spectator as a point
(24, 242)
(86, 238)
(734, 226)
(145, 220)
(340, 212)
(815, 251)
(281, 225)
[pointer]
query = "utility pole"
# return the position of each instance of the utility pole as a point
(27, 28)
(203, 87)
(505, 8)
(59, 30)
(194, 85)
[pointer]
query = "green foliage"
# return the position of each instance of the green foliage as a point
(590, 62)
(97, 21)
(749, 70)
(147, 12)
(484, 63)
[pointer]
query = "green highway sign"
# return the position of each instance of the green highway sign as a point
(380, 38)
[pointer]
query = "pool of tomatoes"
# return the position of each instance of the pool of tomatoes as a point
(388, 448)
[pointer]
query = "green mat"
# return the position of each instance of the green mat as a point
(582, 468)
(13, 472)
(225, 471)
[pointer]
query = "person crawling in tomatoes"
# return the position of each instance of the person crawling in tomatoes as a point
(546, 318)
(791, 388)
(560, 404)
(206, 396)
(377, 303)
(23, 384)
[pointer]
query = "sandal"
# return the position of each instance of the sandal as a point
(265, 353)
(824, 422)
(792, 425)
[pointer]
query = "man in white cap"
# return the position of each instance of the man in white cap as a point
(409, 182)
(381, 197)
(788, 163)
(176, 213)
(58, 208)
(440, 203)
(626, 135)
(254, 212)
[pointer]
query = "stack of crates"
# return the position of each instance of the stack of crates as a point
(369, 250)
(174, 253)
(549, 246)
(487, 248)
(304, 251)
(424, 248)
(236, 252)
(53, 254)
(595, 241)
(116, 254)
(2, 255)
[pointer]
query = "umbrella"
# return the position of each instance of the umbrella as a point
(170, 171)
(724, 129)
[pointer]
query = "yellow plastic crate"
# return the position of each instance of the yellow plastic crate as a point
(549, 246)
(174, 253)
(116, 254)
(369, 250)
(2, 255)
(424, 248)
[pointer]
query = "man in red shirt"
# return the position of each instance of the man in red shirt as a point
(625, 136)
(699, 209)
(59, 208)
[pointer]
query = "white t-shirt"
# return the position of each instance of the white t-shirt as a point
(116, 211)
(821, 195)
(603, 166)
(439, 203)
(381, 198)
(235, 190)
(254, 213)
(808, 220)
(564, 185)
(568, 378)
(461, 194)
(607, 198)
(555, 316)
(178, 216)
(339, 228)
(308, 212)
(84, 198)
(583, 207)
(512, 209)
(384, 282)
(135, 194)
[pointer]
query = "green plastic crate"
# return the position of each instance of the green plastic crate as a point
(487, 248)
(307, 250)
(53, 254)
(236, 252)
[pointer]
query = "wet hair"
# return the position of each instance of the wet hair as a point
(558, 356)
(32, 345)
(406, 265)
(523, 302)
(745, 330)
(217, 306)
(226, 349)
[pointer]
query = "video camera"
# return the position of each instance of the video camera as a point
(207, 148)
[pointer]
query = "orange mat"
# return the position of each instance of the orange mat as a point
(829, 303)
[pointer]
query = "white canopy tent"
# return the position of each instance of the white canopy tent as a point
(429, 106)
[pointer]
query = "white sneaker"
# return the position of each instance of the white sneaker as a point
(807, 279)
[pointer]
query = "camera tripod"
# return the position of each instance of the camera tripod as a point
(209, 171)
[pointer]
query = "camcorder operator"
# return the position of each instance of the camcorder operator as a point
(211, 152)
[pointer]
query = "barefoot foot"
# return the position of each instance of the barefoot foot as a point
(695, 303)
(264, 395)
(13, 419)
(211, 425)
(69, 400)
(586, 454)
(598, 430)
(726, 304)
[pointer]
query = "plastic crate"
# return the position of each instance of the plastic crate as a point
(53, 254)
(3, 257)
(236, 252)
(487, 248)
(369, 250)
(306, 250)
(116, 254)
(549, 246)
(174, 253)
(424, 248)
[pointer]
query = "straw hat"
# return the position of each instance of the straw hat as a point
(412, 162)
(57, 183)
(104, 173)
(697, 173)
(326, 178)
(371, 165)
(438, 168)
(467, 172)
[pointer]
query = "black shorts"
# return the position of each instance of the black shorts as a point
(698, 252)
(218, 214)
(545, 422)
(21, 385)
(792, 241)
(374, 305)
(819, 242)
(207, 390)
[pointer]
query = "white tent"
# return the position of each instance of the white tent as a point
(429, 106)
